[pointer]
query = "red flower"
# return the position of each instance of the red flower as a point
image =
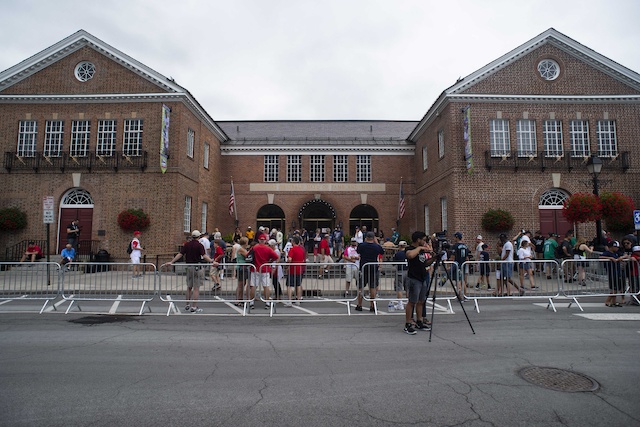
(582, 207)
(133, 219)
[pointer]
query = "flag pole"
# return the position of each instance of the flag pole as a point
(399, 201)
(235, 209)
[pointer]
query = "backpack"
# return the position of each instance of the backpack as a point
(559, 253)
(129, 248)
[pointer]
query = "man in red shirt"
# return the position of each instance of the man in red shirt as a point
(325, 256)
(193, 252)
(297, 255)
(33, 252)
(263, 256)
(218, 255)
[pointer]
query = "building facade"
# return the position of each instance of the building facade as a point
(101, 133)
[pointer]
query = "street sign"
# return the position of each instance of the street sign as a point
(47, 210)
(636, 219)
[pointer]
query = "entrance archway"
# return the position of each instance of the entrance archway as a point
(363, 215)
(550, 209)
(271, 216)
(317, 213)
(76, 204)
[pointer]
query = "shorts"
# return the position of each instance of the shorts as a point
(369, 277)
(526, 265)
(327, 260)
(485, 270)
(135, 258)
(417, 290)
(401, 281)
(260, 279)
(351, 273)
(294, 280)
(507, 270)
(243, 273)
(195, 276)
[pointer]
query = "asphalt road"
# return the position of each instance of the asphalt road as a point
(83, 369)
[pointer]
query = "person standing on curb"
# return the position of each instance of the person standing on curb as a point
(420, 256)
(136, 254)
(193, 252)
(370, 253)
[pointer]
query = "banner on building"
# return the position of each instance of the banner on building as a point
(468, 152)
(164, 138)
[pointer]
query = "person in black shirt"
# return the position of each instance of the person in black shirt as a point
(460, 255)
(420, 256)
(73, 234)
(370, 253)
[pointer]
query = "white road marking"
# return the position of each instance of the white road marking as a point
(610, 316)
(115, 305)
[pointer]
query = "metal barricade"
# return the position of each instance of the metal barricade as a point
(600, 278)
(30, 281)
(391, 291)
(117, 282)
(318, 282)
(227, 285)
(532, 279)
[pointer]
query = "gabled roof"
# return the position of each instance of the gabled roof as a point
(550, 36)
(82, 39)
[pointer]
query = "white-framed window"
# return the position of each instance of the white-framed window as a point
(579, 133)
(363, 168)
(607, 141)
(54, 131)
(186, 221)
(424, 159)
(294, 168)
(84, 71)
(441, 143)
(340, 168)
(132, 138)
(80, 134)
(191, 142)
(552, 131)
(106, 144)
(205, 161)
(549, 69)
(444, 213)
(271, 168)
(526, 136)
(316, 170)
(426, 220)
(203, 219)
(27, 138)
(499, 138)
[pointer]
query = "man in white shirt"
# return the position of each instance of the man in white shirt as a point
(507, 266)
(352, 257)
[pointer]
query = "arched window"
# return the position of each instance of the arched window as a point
(77, 197)
(554, 197)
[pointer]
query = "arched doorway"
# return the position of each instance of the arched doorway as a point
(363, 215)
(76, 204)
(271, 216)
(317, 213)
(550, 209)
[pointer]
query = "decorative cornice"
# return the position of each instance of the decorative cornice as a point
(244, 150)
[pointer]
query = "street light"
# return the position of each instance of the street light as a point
(594, 166)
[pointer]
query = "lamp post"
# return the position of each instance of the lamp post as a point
(594, 166)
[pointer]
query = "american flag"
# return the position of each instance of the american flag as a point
(401, 203)
(232, 201)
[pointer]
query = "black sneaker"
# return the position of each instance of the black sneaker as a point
(408, 329)
(358, 308)
(421, 326)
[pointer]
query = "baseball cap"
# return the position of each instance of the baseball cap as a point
(249, 227)
(479, 237)
(458, 235)
(402, 243)
(136, 233)
(195, 233)
(615, 244)
(272, 242)
(263, 237)
(353, 239)
(635, 249)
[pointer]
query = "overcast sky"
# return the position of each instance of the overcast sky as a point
(335, 59)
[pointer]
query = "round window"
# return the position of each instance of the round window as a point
(85, 71)
(549, 69)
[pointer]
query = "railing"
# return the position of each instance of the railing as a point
(65, 161)
(550, 160)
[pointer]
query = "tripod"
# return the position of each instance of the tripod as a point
(439, 264)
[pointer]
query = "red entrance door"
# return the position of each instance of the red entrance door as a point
(552, 221)
(85, 215)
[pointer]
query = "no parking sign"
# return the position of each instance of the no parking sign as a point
(636, 219)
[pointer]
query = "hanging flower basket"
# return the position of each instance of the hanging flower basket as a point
(617, 211)
(12, 219)
(497, 220)
(582, 207)
(133, 219)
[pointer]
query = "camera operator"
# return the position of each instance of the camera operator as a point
(420, 256)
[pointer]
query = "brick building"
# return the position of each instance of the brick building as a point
(85, 123)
